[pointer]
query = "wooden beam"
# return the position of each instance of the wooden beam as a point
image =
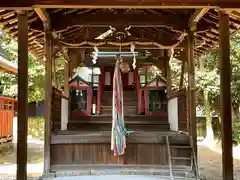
(196, 16)
(43, 15)
(112, 44)
(48, 97)
(182, 75)
(106, 19)
(8, 66)
(61, 48)
(126, 48)
(225, 96)
(168, 73)
(119, 4)
(22, 96)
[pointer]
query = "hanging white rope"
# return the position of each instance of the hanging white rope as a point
(132, 48)
(160, 46)
(95, 55)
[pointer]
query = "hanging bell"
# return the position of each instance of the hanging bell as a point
(124, 67)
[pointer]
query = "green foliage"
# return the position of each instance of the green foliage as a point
(8, 50)
(236, 130)
(210, 81)
(36, 127)
(36, 73)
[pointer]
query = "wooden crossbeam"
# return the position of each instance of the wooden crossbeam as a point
(119, 4)
(43, 15)
(197, 16)
(124, 20)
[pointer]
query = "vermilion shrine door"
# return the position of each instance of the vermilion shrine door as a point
(125, 80)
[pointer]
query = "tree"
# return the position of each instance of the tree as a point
(8, 50)
(208, 82)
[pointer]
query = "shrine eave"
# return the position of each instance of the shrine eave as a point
(28, 4)
(164, 28)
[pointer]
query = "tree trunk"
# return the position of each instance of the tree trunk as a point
(207, 108)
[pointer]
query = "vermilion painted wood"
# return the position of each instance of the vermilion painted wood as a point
(1, 123)
(6, 116)
(145, 91)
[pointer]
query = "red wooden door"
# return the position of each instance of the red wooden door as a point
(125, 80)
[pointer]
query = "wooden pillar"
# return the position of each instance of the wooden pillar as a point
(65, 100)
(48, 96)
(22, 96)
(168, 73)
(146, 105)
(182, 75)
(66, 79)
(225, 96)
(192, 91)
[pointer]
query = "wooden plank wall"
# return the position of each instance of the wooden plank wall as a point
(136, 154)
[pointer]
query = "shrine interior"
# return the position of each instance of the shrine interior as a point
(104, 48)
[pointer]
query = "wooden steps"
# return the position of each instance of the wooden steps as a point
(128, 110)
(104, 122)
(106, 127)
(129, 101)
(135, 119)
(79, 136)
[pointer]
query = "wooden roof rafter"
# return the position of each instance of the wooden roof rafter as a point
(197, 16)
(206, 18)
(44, 16)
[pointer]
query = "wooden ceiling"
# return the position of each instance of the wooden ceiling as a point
(164, 26)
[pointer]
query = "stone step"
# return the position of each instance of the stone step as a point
(128, 172)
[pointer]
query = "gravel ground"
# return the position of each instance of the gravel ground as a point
(210, 162)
